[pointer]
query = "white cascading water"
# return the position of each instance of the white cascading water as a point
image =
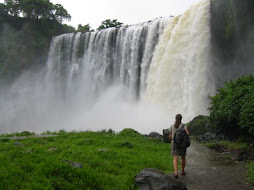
(180, 70)
(117, 78)
(98, 60)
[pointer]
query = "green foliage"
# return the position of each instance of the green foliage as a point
(85, 28)
(229, 145)
(232, 108)
(128, 132)
(3, 11)
(109, 161)
(199, 125)
(110, 23)
(250, 167)
(61, 13)
(36, 9)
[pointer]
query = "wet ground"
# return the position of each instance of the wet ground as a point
(208, 170)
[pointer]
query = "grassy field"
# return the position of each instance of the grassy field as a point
(109, 160)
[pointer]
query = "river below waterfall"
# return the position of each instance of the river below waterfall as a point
(208, 170)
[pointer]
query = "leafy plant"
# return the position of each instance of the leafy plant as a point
(199, 125)
(232, 108)
(250, 167)
(110, 23)
(36, 9)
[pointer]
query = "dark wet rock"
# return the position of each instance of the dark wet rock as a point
(250, 157)
(236, 156)
(76, 165)
(166, 136)
(17, 143)
(210, 136)
(155, 135)
(248, 154)
(73, 164)
(154, 179)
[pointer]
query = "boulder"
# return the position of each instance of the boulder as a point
(155, 135)
(17, 143)
(210, 136)
(76, 165)
(154, 179)
(166, 136)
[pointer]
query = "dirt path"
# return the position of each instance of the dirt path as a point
(208, 170)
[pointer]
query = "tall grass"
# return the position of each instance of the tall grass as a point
(250, 167)
(109, 160)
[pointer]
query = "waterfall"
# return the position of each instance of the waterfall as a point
(180, 72)
(137, 76)
(97, 60)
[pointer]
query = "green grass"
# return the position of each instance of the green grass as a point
(110, 161)
(227, 145)
(250, 167)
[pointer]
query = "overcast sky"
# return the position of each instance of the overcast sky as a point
(129, 12)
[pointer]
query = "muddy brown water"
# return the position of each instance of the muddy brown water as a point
(208, 170)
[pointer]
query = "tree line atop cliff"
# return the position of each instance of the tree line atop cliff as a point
(44, 9)
(34, 9)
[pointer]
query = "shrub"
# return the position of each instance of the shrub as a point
(199, 125)
(129, 133)
(232, 108)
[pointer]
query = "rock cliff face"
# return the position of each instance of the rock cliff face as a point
(232, 35)
(25, 44)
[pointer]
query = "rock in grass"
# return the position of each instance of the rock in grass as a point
(76, 165)
(73, 164)
(155, 135)
(17, 143)
(153, 179)
(102, 150)
(52, 149)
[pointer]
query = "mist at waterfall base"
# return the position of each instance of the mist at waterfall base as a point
(28, 106)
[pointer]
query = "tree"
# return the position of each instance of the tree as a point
(85, 28)
(37, 9)
(12, 7)
(61, 13)
(110, 23)
(3, 10)
(232, 108)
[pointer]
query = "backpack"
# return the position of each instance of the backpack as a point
(181, 139)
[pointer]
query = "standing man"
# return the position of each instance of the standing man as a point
(176, 151)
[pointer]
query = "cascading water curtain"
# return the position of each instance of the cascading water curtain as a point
(95, 61)
(179, 75)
